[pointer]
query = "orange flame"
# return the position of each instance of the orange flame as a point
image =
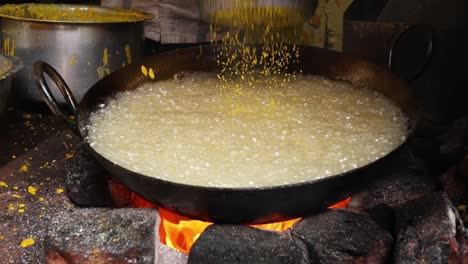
(180, 232)
(342, 204)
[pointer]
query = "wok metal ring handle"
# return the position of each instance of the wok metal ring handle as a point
(41, 67)
(411, 51)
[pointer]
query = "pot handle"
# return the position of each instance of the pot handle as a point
(41, 67)
(411, 51)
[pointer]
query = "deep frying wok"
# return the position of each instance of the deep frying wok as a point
(234, 205)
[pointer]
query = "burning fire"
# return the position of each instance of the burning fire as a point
(180, 233)
(342, 204)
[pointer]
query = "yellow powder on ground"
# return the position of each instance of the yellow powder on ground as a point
(32, 190)
(27, 242)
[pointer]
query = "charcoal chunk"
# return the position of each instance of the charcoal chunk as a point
(242, 244)
(341, 236)
(429, 230)
(102, 236)
(406, 179)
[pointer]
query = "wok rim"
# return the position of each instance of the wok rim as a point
(413, 120)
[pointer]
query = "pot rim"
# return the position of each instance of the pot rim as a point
(126, 15)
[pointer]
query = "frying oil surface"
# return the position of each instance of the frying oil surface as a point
(187, 131)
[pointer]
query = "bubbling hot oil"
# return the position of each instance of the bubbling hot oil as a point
(184, 131)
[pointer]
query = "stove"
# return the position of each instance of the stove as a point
(59, 206)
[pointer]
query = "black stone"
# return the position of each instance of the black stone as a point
(103, 236)
(429, 230)
(341, 236)
(242, 244)
(384, 216)
(405, 179)
(464, 215)
(453, 184)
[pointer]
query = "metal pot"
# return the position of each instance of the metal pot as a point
(83, 51)
(235, 205)
(8, 66)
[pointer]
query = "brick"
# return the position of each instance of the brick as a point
(341, 236)
(103, 236)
